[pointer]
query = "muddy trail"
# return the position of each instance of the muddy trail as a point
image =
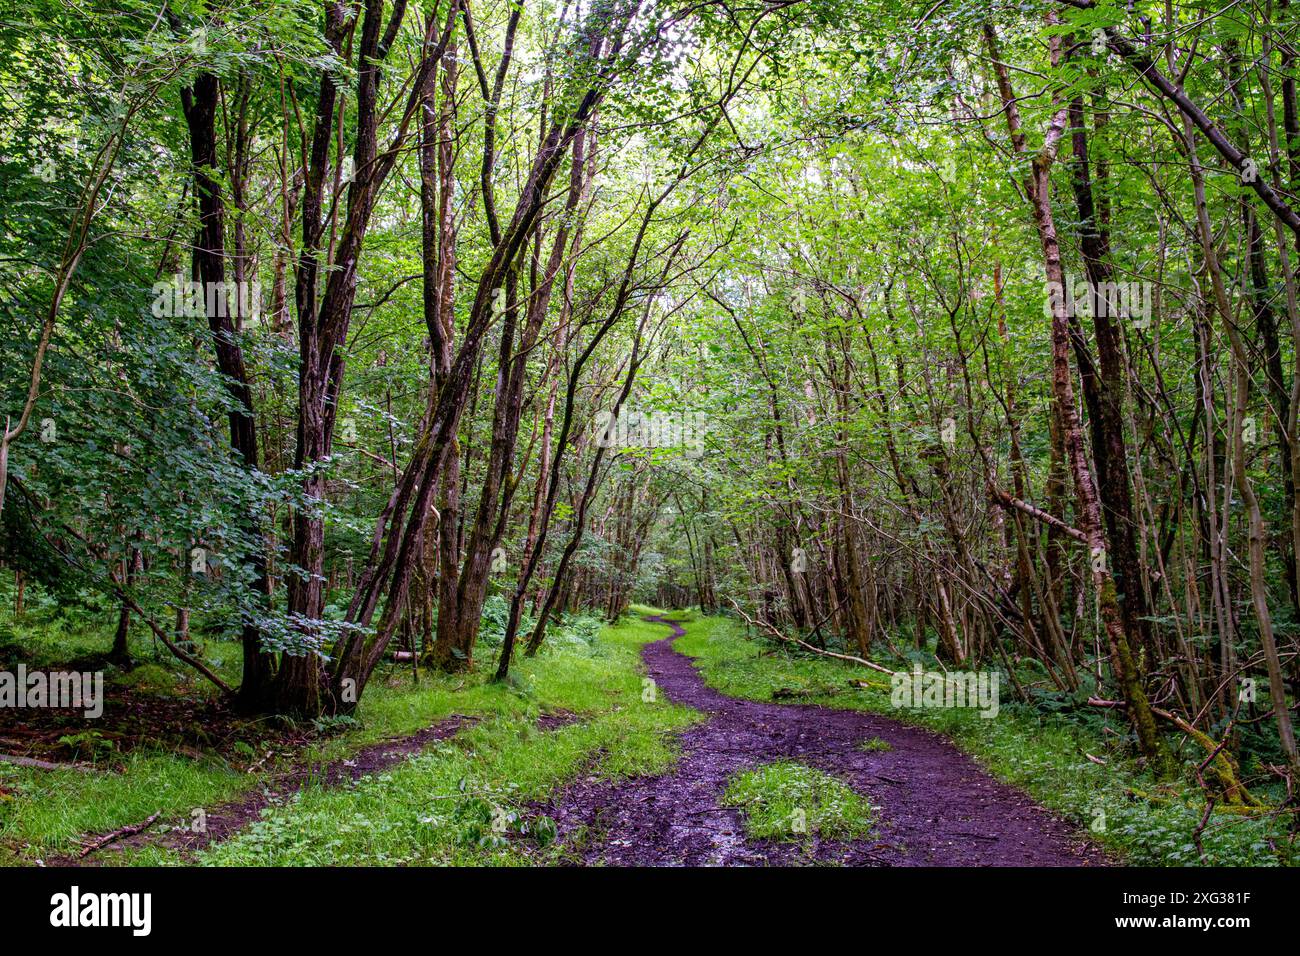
(935, 805)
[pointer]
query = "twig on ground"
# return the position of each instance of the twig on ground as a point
(118, 834)
(806, 646)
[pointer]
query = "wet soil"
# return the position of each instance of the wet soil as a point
(935, 805)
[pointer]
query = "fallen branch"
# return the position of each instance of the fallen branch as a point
(43, 764)
(118, 834)
(119, 591)
(1234, 791)
(808, 647)
(162, 635)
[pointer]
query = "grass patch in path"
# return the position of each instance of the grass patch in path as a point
(791, 802)
(1118, 804)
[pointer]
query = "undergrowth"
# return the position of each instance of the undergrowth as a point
(1117, 803)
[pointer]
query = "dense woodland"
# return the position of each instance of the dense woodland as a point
(346, 330)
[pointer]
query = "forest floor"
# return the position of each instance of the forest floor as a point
(933, 805)
(620, 745)
(227, 819)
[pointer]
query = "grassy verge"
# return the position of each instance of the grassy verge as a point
(1145, 823)
(466, 802)
(41, 811)
(460, 803)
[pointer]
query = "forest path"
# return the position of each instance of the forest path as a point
(935, 805)
(227, 819)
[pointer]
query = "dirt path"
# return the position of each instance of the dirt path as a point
(225, 820)
(937, 807)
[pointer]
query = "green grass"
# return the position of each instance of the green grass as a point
(502, 762)
(43, 811)
(467, 801)
(47, 808)
(791, 802)
(1141, 821)
(875, 745)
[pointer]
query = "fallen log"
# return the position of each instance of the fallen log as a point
(43, 764)
(792, 693)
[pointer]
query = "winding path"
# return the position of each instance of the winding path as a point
(937, 807)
